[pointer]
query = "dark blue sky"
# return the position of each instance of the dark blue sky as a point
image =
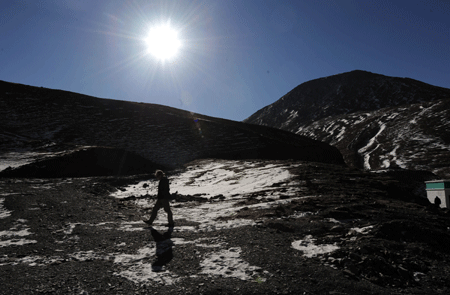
(236, 56)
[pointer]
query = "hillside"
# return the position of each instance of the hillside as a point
(38, 123)
(375, 121)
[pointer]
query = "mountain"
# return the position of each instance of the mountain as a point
(60, 133)
(376, 122)
(269, 211)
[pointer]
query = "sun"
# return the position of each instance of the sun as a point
(163, 42)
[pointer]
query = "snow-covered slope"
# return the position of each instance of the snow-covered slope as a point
(38, 123)
(375, 121)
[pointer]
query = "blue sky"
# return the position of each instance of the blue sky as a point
(236, 56)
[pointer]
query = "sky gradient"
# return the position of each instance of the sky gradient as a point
(236, 56)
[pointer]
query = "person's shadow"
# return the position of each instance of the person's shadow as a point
(163, 249)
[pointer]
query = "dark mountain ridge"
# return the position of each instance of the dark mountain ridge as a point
(39, 120)
(345, 94)
(376, 121)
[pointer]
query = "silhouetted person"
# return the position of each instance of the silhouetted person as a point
(437, 202)
(163, 199)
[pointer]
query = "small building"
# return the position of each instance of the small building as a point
(438, 192)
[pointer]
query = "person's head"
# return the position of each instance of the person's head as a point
(159, 174)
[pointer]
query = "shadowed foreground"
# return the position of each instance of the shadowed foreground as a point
(285, 228)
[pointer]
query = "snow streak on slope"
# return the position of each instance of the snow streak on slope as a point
(20, 158)
(366, 150)
(3, 212)
(408, 137)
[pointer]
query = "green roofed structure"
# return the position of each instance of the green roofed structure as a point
(438, 192)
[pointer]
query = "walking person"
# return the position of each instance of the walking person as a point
(162, 199)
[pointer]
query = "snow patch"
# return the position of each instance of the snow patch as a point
(89, 256)
(16, 242)
(398, 162)
(210, 179)
(310, 249)
(233, 180)
(362, 230)
(139, 268)
(9, 237)
(227, 263)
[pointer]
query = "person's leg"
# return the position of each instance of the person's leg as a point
(166, 206)
(154, 212)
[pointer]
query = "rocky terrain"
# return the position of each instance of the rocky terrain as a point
(377, 122)
(241, 227)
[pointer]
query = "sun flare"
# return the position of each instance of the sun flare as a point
(163, 42)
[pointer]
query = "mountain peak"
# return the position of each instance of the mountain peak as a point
(344, 94)
(328, 108)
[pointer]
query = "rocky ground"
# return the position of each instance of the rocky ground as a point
(326, 230)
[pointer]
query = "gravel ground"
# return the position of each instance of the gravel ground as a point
(342, 231)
